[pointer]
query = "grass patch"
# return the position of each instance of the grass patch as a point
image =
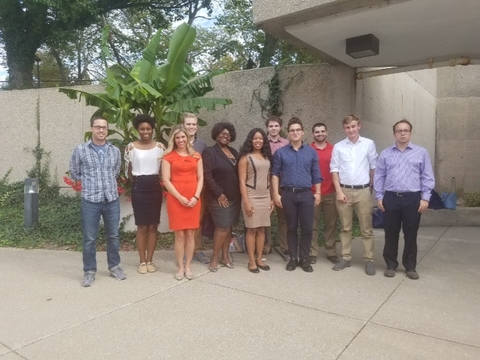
(59, 224)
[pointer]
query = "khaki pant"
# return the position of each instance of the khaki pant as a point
(282, 233)
(361, 201)
(328, 209)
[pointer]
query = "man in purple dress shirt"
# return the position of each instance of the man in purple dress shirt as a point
(403, 182)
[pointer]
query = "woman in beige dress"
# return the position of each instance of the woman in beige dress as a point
(254, 177)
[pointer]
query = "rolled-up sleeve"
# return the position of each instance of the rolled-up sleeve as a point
(277, 164)
(334, 162)
(75, 165)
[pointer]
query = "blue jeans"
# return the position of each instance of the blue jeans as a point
(91, 212)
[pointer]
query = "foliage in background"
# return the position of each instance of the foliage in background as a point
(165, 91)
(249, 47)
(66, 34)
(472, 199)
(27, 25)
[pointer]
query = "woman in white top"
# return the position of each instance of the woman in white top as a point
(143, 158)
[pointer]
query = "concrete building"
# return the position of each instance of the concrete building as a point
(401, 37)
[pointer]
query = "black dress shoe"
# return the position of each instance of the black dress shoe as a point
(292, 265)
(305, 265)
(263, 267)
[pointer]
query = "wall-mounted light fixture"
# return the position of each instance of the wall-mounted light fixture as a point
(363, 46)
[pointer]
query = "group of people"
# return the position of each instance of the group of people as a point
(300, 182)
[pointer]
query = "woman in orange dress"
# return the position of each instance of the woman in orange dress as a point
(182, 172)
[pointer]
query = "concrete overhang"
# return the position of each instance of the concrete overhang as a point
(412, 33)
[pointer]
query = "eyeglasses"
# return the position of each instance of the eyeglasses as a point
(295, 130)
(97, 127)
(225, 134)
(402, 131)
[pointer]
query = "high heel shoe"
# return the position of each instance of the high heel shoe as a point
(263, 267)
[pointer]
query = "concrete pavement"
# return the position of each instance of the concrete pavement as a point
(234, 314)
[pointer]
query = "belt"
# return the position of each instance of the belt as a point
(296, 190)
(403, 194)
(355, 187)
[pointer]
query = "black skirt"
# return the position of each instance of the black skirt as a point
(146, 199)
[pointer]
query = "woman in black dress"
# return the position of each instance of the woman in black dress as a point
(222, 192)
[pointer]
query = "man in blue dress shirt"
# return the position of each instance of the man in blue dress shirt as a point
(295, 170)
(403, 182)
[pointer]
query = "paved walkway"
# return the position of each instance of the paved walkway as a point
(233, 314)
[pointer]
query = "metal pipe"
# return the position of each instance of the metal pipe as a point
(30, 200)
(423, 66)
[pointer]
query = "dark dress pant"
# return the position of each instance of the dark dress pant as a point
(401, 211)
(298, 209)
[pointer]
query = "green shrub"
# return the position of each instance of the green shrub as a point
(472, 199)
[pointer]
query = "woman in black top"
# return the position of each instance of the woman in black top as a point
(222, 192)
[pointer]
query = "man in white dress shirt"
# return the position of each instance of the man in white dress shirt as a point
(352, 167)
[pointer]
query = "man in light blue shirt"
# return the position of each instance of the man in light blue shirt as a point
(403, 182)
(96, 164)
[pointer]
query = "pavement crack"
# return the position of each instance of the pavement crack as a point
(427, 336)
(285, 301)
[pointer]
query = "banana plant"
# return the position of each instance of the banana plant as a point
(163, 91)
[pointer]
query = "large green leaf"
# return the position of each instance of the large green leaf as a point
(143, 70)
(150, 51)
(196, 87)
(182, 40)
(99, 100)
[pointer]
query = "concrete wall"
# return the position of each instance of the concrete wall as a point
(63, 123)
(312, 92)
(383, 100)
(458, 133)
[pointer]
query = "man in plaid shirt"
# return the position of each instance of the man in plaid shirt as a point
(96, 164)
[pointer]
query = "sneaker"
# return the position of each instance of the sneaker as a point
(389, 273)
(370, 268)
(413, 275)
(342, 264)
(142, 268)
(312, 259)
(88, 278)
(201, 258)
(117, 273)
(151, 267)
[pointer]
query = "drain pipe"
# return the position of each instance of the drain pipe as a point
(430, 65)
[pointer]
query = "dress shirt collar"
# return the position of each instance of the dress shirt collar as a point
(409, 146)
